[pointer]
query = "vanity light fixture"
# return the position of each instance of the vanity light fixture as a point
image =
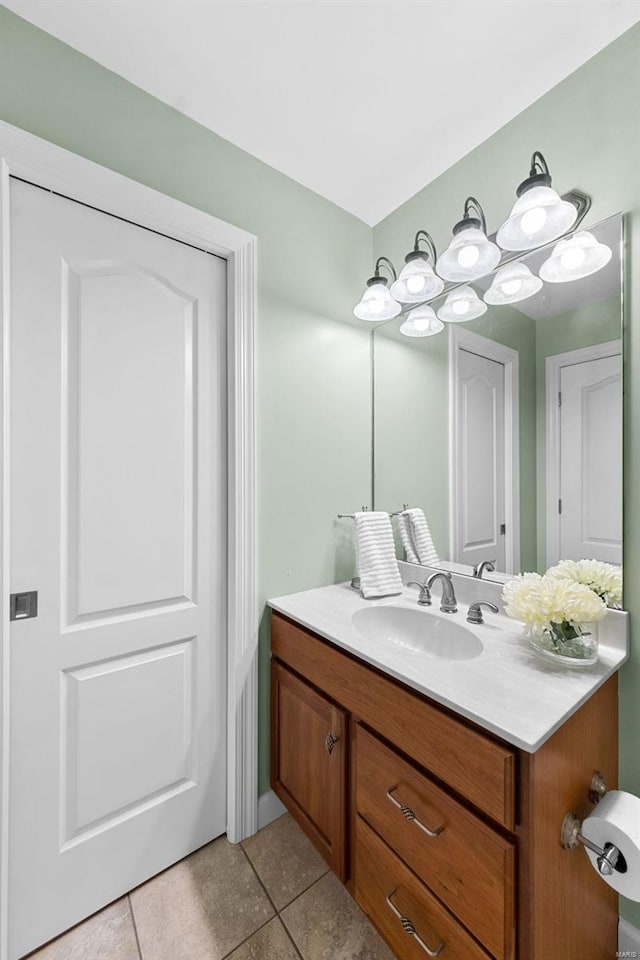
(461, 305)
(421, 322)
(377, 302)
(512, 283)
(470, 254)
(539, 215)
(576, 257)
(417, 280)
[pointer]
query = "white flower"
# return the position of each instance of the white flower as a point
(540, 601)
(605, 579)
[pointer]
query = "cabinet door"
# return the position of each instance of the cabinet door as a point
(308, 762)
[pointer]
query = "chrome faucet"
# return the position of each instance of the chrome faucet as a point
(480, 568)
(449, 603)
(424, 596)
(474, 614)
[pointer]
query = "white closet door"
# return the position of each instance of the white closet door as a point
(118, 505)
(480, 457)
(591, 460)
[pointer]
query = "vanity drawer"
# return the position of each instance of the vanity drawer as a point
(468, 865)
(385, 887)
(476, 766)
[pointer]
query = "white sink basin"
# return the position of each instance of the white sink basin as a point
(417, 632)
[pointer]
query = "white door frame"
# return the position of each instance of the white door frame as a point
(38, 161)
(463, 339)
(553, 367)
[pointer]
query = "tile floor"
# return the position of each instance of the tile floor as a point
(270, 898)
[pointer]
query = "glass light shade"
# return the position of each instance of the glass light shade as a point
(377, 303)
(576, 257)
(538, 216)
(469, 255)
(512, 283)
(417, 282)
(421, 322)
(461, 305)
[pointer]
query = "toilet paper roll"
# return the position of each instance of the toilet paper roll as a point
(616, 820)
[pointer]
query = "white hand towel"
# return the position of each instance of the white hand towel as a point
(422, 537)
(404, 526)
(376, 555)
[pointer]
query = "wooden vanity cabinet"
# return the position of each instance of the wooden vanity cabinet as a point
(443, 833)
(308, 758)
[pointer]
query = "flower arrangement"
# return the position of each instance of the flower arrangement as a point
(604, 579)
(553, 609)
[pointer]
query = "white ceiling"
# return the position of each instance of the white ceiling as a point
(363, 101)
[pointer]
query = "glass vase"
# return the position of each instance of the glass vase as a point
(572, 644)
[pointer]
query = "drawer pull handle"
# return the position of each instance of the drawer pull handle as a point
(408, 927)
(409, 815)
(330, 742)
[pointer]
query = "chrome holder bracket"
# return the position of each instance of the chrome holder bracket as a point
(571, 836)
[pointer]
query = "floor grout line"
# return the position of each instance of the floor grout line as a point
(257, 875)
(290, 937)
(135, 926)
(273, 907)
(306, 890)
(278, 913)
(246, 939)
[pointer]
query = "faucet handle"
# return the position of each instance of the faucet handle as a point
(474, 614)
(479, 568)
(424, 597)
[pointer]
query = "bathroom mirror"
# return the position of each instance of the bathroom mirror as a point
(506, 429)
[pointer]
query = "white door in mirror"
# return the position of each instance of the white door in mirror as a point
(480, 459)
(591, 460)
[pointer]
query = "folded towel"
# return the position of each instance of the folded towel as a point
(421, 536)
(404, 526)
(376, 555)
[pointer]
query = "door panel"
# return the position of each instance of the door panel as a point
(118, 519)
(130, 445)
(591, 460)
(106, 771)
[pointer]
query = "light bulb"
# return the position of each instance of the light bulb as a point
(573, 257)
(468, 256)
(460, 307)
(533, 220)
(421, 323)
(415, 284)
(509, 287)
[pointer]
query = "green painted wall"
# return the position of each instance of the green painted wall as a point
(313, 371)
(588, 127)
(595, 323)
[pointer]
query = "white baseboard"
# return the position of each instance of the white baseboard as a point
(628, 940)
(269, 809)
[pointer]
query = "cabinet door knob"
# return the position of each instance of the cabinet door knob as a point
(408, 814)
(330, 743)
(408, 927)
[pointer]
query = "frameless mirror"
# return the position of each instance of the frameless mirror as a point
(506, 429)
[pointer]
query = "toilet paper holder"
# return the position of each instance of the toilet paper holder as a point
(571, 836)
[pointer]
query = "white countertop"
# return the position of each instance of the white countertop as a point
(508, 689)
